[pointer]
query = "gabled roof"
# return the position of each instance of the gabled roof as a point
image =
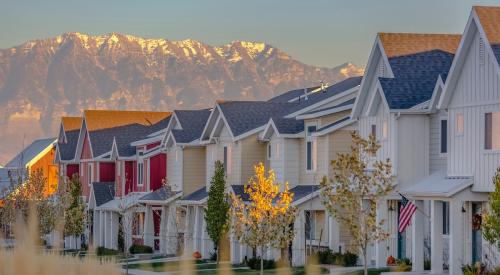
(124, 127)
(31, 152)
(416, 61)
(288, 125)
(160, 195)
(197, 196)
(191, 124)
(486, 22)
(300, 192)
(490, 22)
(103, 192)
(293, 94)
(67, 146)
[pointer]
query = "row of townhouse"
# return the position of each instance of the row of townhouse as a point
(432, 101)
(155, 168)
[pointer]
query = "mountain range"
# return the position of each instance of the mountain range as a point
(44, 79)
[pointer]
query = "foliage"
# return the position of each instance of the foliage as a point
(265, 220)
(359, 182)
(254, 263)
(337, 258)
(103, 251)
(217, 211)
(28, 190)
(476, 269)
(427, 264)
(325, 257)
(494, 271)
(140, 249)
(491, 219)
(74, 215)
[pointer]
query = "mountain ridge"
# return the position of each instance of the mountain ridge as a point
(43, 79)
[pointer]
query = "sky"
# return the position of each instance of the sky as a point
(317, 32)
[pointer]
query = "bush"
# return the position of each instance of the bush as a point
(140, 249)
(476, 269)
(350, 259)
(427, 264)
(494, 271)
(102, 251)
(254, 263)
(326, 257)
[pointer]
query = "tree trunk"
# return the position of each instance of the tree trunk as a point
(261, 260)
(365, 263)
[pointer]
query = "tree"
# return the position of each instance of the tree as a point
(491, 219)
(217, 211)
(266, 218)
(29, 190)
(74, 214)
(359, 182)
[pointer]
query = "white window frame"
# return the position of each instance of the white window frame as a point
(441, 136)
(269, 151)
(483, 127)
(385, 129)
(314, 154)
(458, 125)
(90, 173)
(140, 172)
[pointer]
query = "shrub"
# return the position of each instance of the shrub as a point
(254, 263)
(140, 249)
(494, 271)
(326, 257)
(102, 251)
(350, 259)
(476, 269)
(427, 264)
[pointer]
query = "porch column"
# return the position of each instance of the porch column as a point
(102, 225)
(381, 246)
(95, 229)
(417, 233)
(298, 244)
(114, 231)
(127, 220)
(188, 232)
(171, 230)
(333, 234)
(456, 237)
(163, 229)
(436, 236)
(197, 226)
(148, 226)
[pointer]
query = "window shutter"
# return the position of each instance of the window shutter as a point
(315, 154)
(481, 51)
(488, 119)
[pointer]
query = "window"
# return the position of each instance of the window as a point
(315, 221)
(310, 225)
(446, 218)
(492, 131)
(385, 129)
(374, 131)
(140, 173)
(310, 149)
(89, 174)
(269, 151)
(227, 160)
(444, 136)
(460, 124)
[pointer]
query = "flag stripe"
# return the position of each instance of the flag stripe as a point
(406, 212)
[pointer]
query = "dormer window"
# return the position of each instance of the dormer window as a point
(492, 131)
(140, 173)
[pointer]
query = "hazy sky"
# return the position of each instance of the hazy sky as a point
(318, 32)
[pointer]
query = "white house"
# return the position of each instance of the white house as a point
(472, 100)
(397, 102)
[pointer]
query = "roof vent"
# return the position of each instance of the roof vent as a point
(481, 51)
(305, 93)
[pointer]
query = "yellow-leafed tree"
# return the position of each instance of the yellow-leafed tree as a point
(266, 219)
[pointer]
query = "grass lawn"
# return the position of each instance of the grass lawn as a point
(371, 271)
(211, 268)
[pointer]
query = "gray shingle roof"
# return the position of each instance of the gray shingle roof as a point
(301, 191)
(102, 140)
(337, 122)
(287, 96)
(31, 151)
(346, 103)
(160, 194)
(288, 125)
(192, 122)
(415, 77)
(197, 195)
(67, 149)
(103, 192)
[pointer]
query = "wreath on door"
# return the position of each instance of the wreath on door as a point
(476, 222)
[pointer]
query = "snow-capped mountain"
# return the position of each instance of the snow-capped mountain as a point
(42, 80)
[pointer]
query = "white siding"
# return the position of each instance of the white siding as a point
(174, 167)
(365, 128)
(437, 160)
(476, 92)
(277, 162)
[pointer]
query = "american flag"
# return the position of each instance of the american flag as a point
(405, 214)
